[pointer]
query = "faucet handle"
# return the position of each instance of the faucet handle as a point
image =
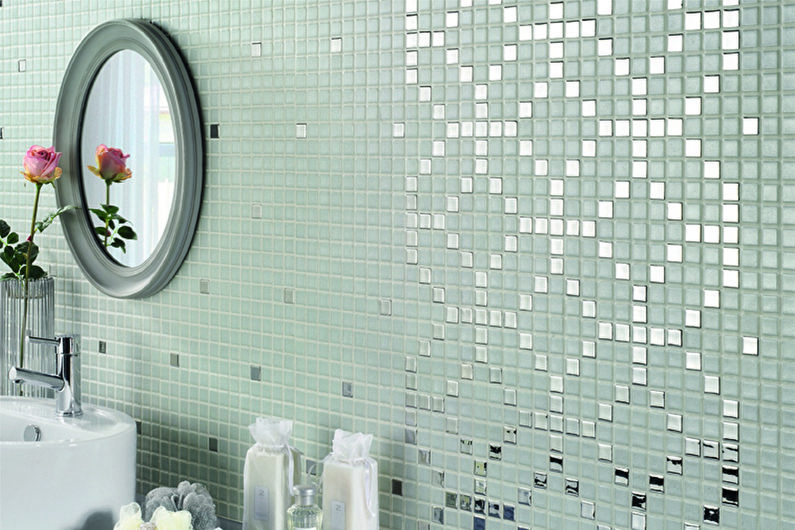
(63, 344)
(41, 340)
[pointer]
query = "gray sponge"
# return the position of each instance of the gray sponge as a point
(193, 498)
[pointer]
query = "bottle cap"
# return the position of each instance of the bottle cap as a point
(305, 494)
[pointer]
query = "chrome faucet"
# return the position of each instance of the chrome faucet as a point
(65, 382)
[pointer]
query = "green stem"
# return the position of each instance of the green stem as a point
(107, 218)
(27, 278)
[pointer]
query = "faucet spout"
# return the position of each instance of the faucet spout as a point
(66, 382)
(21, 375)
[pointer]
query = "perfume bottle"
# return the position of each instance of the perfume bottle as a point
(304, 514)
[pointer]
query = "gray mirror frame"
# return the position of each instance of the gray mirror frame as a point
(104, 272)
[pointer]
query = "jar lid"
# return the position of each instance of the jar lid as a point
(305, 494)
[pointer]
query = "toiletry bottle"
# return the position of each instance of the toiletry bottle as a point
(304, 514)
(271, 469)
(350, 484)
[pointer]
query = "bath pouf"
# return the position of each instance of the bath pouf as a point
(166, 520)
(165, 497)
(199, 503)
(129, 517)
(193, 498)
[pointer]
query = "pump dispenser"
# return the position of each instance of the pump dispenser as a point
(305, 513)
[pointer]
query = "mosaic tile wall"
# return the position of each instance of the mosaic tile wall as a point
(543, 250)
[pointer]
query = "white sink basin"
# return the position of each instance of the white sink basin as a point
(76, 477)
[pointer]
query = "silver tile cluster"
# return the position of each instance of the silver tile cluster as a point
(474, 310)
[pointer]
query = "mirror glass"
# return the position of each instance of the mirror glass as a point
(127, 109)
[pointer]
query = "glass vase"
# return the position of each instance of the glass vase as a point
(40, 323)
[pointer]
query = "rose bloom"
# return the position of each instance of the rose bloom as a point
(41, 165)
(111, 164)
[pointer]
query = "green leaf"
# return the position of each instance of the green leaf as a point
(100, 214)
(8, 256)
(119, 243)
(47, 221)
(28, 249)
(5, 229)
(127, 233)
(13, 238)
(8, 276)
(9, 252)
(101, 232)
(110, 209)
(36, 272)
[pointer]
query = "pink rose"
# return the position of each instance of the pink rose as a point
(111, 164)
(41, 165)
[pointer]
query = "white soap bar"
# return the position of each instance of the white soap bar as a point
(345, 492)
(266, 488)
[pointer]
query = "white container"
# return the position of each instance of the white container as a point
(350, 484)
(272, 468)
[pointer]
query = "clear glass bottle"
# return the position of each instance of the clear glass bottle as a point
(304, 514)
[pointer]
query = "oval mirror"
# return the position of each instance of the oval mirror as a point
(127, 88)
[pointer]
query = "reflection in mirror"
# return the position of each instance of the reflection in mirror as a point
(127, 109)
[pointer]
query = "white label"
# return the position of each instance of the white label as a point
(305, 528)
(337, 516)
(262, 504)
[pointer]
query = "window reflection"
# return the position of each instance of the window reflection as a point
(127, 109)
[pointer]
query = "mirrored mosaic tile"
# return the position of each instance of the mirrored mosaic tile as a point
(585, 192)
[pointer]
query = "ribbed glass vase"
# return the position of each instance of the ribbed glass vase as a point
(40, 323)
